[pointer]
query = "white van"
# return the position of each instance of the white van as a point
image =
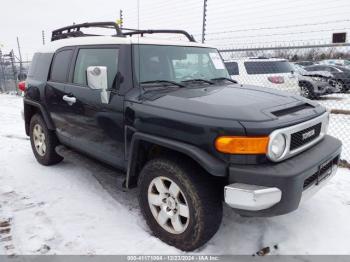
(276, 73)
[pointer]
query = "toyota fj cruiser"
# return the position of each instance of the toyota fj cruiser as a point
(167, 113)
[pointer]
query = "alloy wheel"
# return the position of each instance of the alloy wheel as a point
(39, 139)
(168, 205)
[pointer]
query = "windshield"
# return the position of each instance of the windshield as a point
(177, 63)
(299, 69)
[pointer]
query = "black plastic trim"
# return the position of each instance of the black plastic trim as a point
(212, 165)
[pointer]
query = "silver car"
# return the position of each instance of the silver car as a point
(314, 84)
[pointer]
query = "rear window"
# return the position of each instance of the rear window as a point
(267, 67)
(232, 68)
(60, 66)
(39, 68)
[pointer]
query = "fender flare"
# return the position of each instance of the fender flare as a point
(212, 165)
(43, 112)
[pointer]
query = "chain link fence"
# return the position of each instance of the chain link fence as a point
(318, 72)
(11, 73)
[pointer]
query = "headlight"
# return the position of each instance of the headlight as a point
(319, 79)
(277, 146)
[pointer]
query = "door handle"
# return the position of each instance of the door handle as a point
(69, 99)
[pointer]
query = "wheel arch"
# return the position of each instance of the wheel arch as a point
(31, 108)
(144, 147)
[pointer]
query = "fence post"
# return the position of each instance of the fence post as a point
(204, 19)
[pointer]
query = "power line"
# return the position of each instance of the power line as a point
(254, 6)
(272, 10)
(269, 16)
(269, 22)
(281, 27)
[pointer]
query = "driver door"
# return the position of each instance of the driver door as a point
(94, 126)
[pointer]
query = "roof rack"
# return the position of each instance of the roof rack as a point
(158, 31)
(75, 31)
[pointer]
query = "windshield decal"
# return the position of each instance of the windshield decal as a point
(216, 59)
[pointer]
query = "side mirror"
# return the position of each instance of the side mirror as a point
(97, 79)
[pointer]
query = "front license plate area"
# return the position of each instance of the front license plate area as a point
(324, 171)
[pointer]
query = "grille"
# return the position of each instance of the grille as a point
(299, 139)
(321, 174)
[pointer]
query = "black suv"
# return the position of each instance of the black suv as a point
(167, 113)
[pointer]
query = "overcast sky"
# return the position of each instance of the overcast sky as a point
(230, 23)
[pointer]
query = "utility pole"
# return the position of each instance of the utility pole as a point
(20, 59)
(204, 19)
(43, 36)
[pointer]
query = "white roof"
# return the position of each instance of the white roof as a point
(106, 40)
(255, 59)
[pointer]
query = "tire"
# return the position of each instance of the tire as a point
(43, 141)
(340, 84)
(307, 92)
(196, 191)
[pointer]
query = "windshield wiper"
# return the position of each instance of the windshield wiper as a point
(224, 78)
(164, 82)
(197, 80)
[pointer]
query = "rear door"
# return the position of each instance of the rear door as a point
(95, 128)
(55, 90)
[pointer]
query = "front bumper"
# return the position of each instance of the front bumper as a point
(277, 188)
(325, 88)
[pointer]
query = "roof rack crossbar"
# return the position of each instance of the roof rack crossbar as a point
(74, 30)
(158, 31)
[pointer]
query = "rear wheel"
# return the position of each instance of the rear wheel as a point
(179, 202)
(43, 142)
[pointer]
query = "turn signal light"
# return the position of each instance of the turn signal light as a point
(242, 145)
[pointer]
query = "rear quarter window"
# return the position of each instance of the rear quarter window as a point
(40, 66)
(232, 68)
(267, 67)
(60, 66)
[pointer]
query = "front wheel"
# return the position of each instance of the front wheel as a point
(340, 86)
(307, 92)
(179, 202)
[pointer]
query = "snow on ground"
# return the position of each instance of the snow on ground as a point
(336, 101)
(76, 208)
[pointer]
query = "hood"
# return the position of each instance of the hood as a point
(236, 102)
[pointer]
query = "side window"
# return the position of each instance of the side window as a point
(60, 66)
(313, 68)
(96, 57)
(232, 68)
(324, 68)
